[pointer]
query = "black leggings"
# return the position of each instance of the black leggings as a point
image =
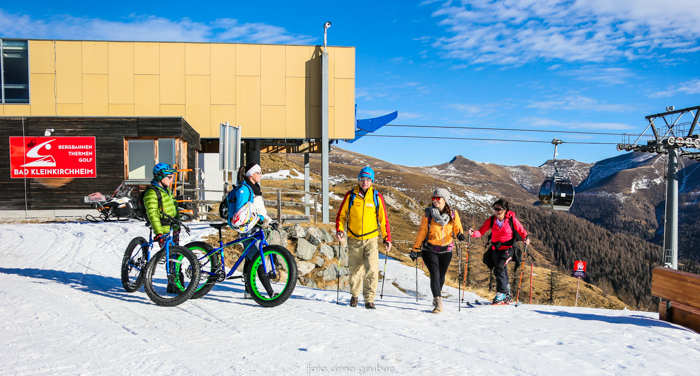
(437, 264)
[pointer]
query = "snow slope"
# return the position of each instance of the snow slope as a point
(64, 312)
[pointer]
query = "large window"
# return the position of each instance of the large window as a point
(143, 154)
(14, 64)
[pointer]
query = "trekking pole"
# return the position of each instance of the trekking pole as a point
(386, 256)
(337, 293)
(533, 259)
(466, 264)
(416, 279)
(459, 280)
(522, 268)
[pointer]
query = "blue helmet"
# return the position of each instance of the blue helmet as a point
(162, 170)
(366, 172)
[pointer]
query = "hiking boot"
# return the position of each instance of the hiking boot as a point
(353, 301)
(500, 298)
(437, 303)
(370, 306)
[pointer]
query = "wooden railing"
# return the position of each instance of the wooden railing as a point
(680, 292)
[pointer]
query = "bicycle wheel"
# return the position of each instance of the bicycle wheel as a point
(209, 267)
(176, 288)
(134, 261)
(275, 288)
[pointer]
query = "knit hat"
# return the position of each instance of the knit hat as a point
(442, 192)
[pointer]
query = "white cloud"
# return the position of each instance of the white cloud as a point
(536, 122)
(578, 103)
(145, 28)
(514, 32)
(604, 76)
(688, 88)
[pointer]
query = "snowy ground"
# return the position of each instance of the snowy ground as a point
(63, 312)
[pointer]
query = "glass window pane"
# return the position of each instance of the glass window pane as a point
(166, 151)
(15, 77)
(16, 95)
(141, 159)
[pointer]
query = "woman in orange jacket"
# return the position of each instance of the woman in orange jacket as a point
(435, 241)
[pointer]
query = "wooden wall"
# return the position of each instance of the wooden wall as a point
(68, 193)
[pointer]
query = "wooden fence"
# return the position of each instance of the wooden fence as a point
(680, 292)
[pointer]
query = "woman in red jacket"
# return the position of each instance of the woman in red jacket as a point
(502, 241)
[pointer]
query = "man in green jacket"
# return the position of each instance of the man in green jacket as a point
(163, 175)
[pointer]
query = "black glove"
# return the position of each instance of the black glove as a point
(414, 255)
(461, 237)
(160, 238)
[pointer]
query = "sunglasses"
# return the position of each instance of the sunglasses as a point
(365, 180)
(436, 198)
(497, 209)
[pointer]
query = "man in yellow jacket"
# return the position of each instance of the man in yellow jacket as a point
(363, 213)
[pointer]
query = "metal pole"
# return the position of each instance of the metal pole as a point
(307, 186)
(279, 205)
(671, 225)
(325, 145)
(578, 282)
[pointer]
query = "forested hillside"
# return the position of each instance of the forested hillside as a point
(624, 261)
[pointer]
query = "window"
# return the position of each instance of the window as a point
(14, 65)
(143, 154)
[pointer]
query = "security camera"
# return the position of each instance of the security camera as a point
(670, 108)
(327, 25)
(47, 133)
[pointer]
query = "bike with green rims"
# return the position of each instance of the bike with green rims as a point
(270, 272)
(172, 275)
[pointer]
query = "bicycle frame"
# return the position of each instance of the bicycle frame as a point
(258, 235)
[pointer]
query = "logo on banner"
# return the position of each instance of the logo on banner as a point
(580, 269)
(52, 157)
(44, 160)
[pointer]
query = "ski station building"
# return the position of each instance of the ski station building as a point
(78, 117)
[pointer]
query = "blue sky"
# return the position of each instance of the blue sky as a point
(594, 65)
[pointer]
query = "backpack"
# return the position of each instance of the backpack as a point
(160, 202)
(425, 246)
(376, 208)
(229, 198)
(517, 252)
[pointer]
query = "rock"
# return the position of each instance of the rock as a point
(326, 236)
(313, 239)
(278, 237)
(318, 260)
(295, 232)
(303, 267)
(311, 230)
(330, 273)
(344, 271)
(391, 201)
(305, 250)
(343, 255)
(415, 218)
(327, 251)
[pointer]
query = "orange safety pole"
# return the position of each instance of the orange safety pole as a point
(531, 282)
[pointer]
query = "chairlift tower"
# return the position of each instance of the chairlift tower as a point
(677, 139)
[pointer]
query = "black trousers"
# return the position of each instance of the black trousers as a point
(437, 264)
(500, 270)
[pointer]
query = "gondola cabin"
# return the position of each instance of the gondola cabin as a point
(557, 193)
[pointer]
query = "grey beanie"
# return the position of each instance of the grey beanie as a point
(442, 192)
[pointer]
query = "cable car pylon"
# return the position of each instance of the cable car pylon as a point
(557, 191)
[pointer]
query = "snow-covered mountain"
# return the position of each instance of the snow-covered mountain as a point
(64, 312)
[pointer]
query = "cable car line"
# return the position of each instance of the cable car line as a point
(489, 139)
(508, 129)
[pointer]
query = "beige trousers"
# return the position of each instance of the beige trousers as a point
(363, 254)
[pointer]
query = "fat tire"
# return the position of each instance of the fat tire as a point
(251, 274)
(175, 252)
(131, 254)
(209, 265)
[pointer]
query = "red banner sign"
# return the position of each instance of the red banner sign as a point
(580, 269)
(52, 157)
